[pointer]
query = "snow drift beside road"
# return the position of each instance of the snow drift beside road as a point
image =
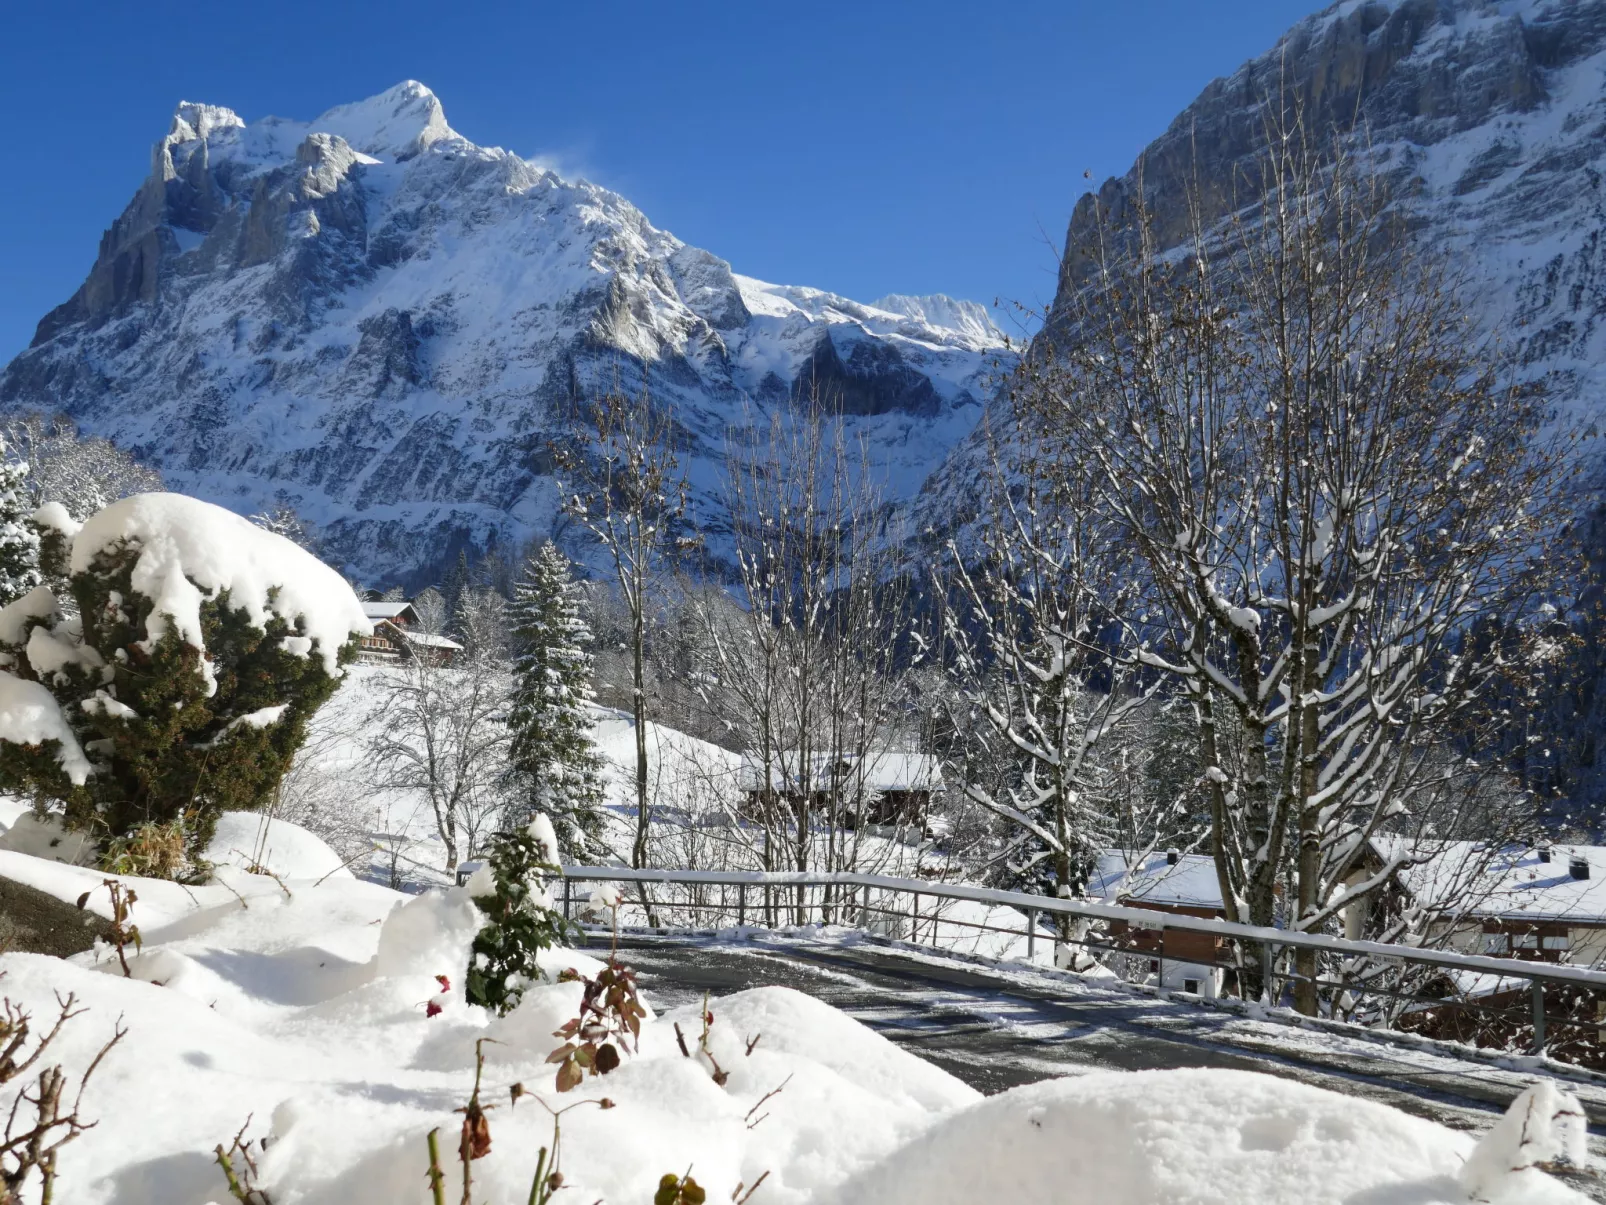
(1187, 1137)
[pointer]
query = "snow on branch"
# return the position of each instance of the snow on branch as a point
(190, 552)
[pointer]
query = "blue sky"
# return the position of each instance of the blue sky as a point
(864, 148)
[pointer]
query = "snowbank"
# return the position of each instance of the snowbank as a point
(1198, 1137)
(250, 839)
(47, 838)
(190, 551)
(333, 1015)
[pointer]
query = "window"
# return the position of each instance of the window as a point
(1526, 941)
(1495, 943)
(1191, 986)
(1557, 943)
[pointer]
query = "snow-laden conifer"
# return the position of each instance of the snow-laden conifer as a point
(19, 542)
(519, 923)
(172, 677)
(554, 766)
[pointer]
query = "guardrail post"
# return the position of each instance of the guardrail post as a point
(864, 907)
(1268, 958)
(565, 898)
(741, 906)
(1538, 989)
(1031, 934)
(914, 921)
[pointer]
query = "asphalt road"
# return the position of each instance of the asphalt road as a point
(995, 1032)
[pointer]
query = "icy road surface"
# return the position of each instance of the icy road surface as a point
(995, 1030)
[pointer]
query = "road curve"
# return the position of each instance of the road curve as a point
(995, 1031)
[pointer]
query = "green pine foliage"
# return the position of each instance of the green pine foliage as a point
(168, 748)
(19, 542)
(553, 764)
(519, 924)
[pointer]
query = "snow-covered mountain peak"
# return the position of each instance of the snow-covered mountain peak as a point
(191, 121)
(375, 321)
(396, 124)
(967, 318)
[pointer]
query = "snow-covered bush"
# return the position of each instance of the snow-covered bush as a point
(175, 680)
(519, 924)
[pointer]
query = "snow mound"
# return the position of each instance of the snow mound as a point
(1190, 1137)
(191, 551)
(795, 1024)
(427, 933)
(1543, 1125)
(45, 837)
(250, 839)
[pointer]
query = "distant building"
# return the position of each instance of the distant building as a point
(883, 788)
(396, 637)
(1544, 902)
(1166, 881)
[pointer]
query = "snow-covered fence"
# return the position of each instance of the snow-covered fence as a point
(920, 910)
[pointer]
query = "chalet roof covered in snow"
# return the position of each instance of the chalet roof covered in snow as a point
(886, 770)
(386, 610)
(1513, 883)
(429, 640)
(1123, 875)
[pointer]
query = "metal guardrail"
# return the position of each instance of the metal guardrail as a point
(851, 899)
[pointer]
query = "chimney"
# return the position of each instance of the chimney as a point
(1543, 850)
(1578, 867)
(1172, 857)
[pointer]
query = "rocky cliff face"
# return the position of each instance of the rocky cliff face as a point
(385, 326)
(1489, 117)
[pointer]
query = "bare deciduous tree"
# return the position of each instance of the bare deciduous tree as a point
(630, 493)
(1034, 643)
(808, 663)
(1293, 421)
(83, 474)
(436, 727)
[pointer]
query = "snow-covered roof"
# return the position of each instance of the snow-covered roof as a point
(1512, 883)
(430, 641)
(1151, 879)
(386, 610)
(888, 770)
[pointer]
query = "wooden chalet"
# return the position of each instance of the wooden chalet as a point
(396, 636)
(886, 788)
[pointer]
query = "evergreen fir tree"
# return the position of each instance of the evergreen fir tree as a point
(519, 923)
(552, 761)
(458, 579)
(19, 541)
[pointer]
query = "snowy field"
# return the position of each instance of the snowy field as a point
(316, 1010)
(692, 785)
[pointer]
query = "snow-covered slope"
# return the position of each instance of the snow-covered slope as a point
(376, 321)
(1488, 117)
(329, 1019)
